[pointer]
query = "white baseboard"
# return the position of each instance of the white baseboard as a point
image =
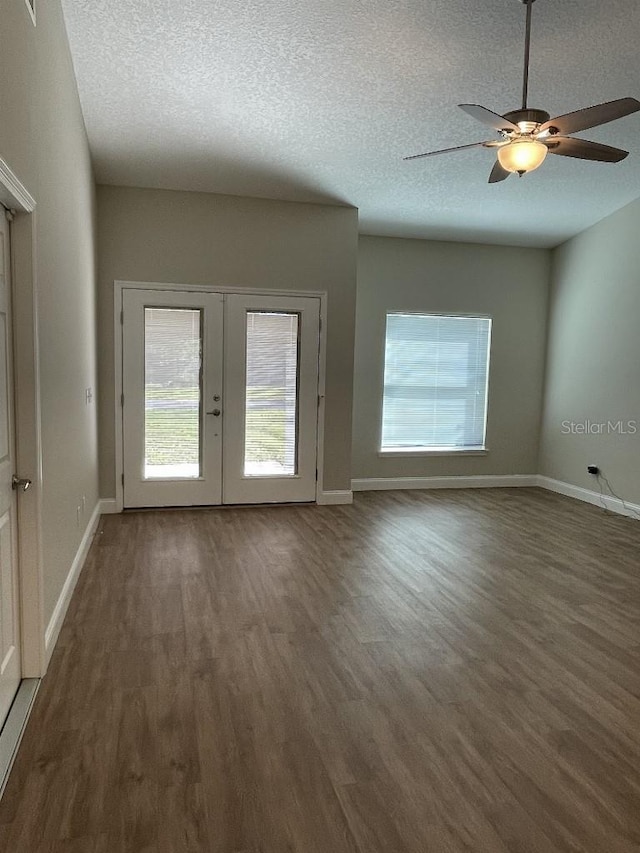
(589, 496)
(60, 610)
(337, 496)
(496, 482)
(479, 482)
(108, 506)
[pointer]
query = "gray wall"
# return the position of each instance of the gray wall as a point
(43, 140)
(199, 238)
(593, 371)
(509, 284)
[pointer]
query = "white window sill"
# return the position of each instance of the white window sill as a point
(445, 451)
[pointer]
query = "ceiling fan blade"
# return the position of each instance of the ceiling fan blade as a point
(583, 149)
(593, 116)
(449, 150)
(497, 122)
(498, 173)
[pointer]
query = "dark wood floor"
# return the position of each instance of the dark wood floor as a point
(436, 671)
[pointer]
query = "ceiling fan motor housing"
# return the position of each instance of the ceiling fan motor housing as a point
(530, 118)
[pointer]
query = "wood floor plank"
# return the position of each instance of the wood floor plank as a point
(421, 672)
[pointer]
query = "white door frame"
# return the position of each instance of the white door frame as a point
(120, 286)
(15, 196)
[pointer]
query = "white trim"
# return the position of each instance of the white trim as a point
(26, 368)
(214, 288)
(450, 451)
(108, 506)
(478, 482)
(335, 496)
(630, 510)
(604, 501)
(118, 336)
(120, 286)
(13, 193)
(32, 10)
(60, 610)
(322, 382)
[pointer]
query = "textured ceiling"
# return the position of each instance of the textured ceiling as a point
(319, 100)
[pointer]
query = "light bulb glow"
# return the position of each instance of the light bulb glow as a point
(522, 155)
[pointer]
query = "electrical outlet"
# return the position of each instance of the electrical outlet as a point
(88, 396)
(593, 469)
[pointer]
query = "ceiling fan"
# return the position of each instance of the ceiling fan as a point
(527, 136)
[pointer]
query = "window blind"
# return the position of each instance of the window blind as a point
(435, 382)
(172, 344)
(271, 419)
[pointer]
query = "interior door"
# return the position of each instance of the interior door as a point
(172, 387)
(10, 668)
(271, 398)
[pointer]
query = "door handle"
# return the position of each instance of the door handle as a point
(22, 483)
(216, 413)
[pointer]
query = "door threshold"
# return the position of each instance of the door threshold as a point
(14, 727)
(210, 507)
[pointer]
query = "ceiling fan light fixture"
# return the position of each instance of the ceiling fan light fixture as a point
(522, 155)
(524, 132)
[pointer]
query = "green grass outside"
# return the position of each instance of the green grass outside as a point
(172, 435)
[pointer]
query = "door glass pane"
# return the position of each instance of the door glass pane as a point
(271, 402)
(172, 356)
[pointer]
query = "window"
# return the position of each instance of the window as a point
(271, 394)
(172, 393)
(436, 373)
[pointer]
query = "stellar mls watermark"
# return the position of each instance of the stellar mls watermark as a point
(631, 427)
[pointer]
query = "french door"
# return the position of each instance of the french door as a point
(220, 397)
